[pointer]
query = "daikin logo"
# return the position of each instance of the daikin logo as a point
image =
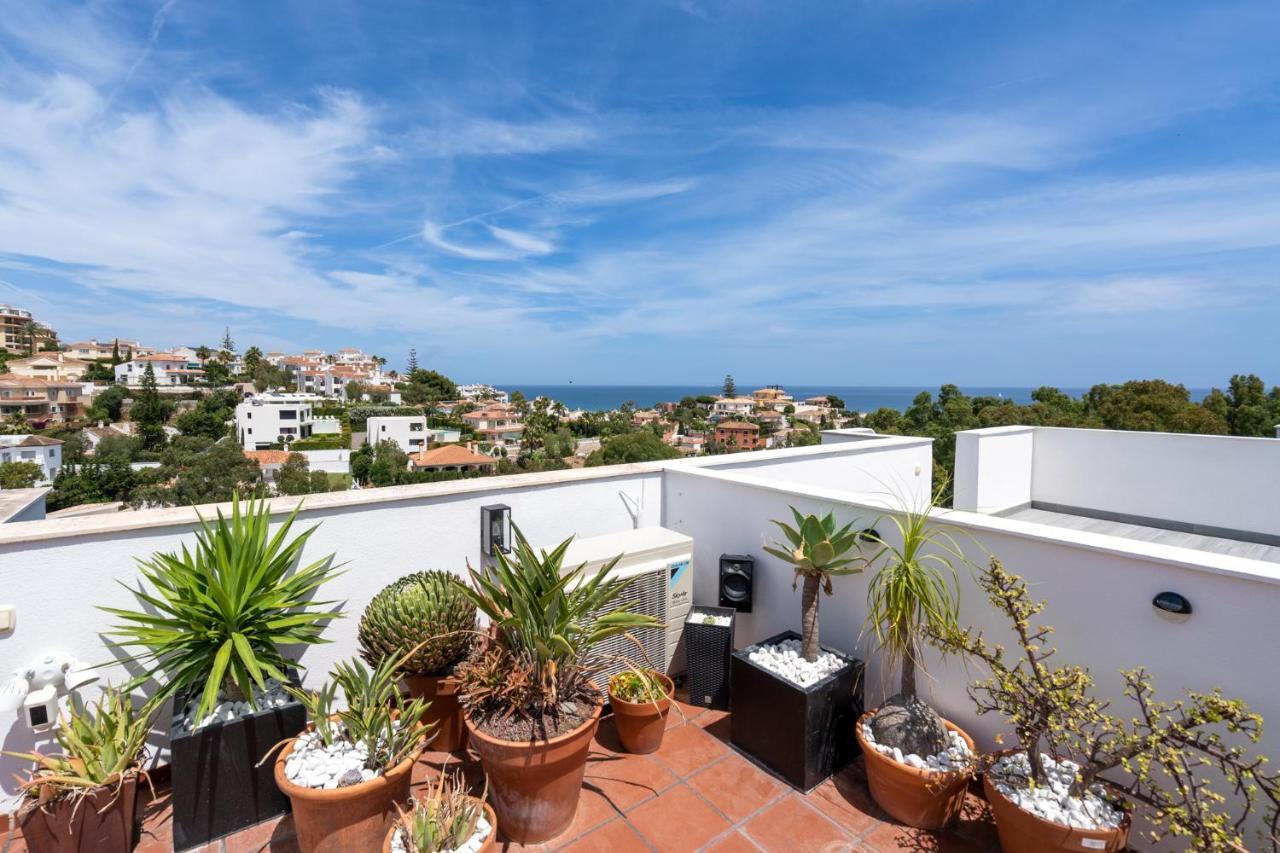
(678, 571)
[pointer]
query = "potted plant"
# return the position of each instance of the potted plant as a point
(531, 707)
(917, 763)
(215, 620)
(446, 820)
(708, 645)
(81, 798)
(427, 611)
(641, 700)
(794, 700)
(345, 774)
(1095, 769)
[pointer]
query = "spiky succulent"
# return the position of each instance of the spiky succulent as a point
(425, 608)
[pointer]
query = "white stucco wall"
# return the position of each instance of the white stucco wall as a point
(993, 468)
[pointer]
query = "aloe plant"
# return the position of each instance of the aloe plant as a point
(219, 614)
(816, 549)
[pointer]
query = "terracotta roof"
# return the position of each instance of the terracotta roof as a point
(13, 380)
(737, 425)
(30, 441)
(449, 454)
(268, 457)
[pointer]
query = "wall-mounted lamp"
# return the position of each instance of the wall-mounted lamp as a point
(495, 529)
(1172, 602)
(870, 534)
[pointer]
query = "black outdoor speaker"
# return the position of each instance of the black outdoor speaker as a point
(735, 581)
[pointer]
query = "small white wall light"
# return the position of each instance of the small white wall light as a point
(495, 529)
(35, 689)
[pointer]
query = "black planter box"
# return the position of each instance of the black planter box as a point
(217, 789)
(804, 734)
(708, 648)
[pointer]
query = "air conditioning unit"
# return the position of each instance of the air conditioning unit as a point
(658, 562)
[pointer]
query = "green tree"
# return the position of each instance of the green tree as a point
(294, 477)
(198, 470)
(639, 446)
(107, 405)
(428, 387)
(729, 389)
(1151, 405)
(390, 464)
(412, 366)
(115, 352)
(228, 347)
(211, 417)
(19, 475)
(252, 358)
(203, 354)
(361, 462)
(354, 390)
(150, 412)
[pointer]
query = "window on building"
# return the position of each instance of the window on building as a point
(288, 415)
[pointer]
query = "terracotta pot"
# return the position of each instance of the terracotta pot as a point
(1022, 832)
(642, 724)
(919, 798)
(444, 710)
(534, 785)
(336, 820)
(490, 843)
(64, 827)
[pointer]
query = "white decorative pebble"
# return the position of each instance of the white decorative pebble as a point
(783, 658)
(955, 757)
(1052, 802)
(314, 765)
(697, 618)
(226, 710)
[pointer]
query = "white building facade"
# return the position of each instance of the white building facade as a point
(409, 432)
(170, 369)
(270, 419)
(44, 452)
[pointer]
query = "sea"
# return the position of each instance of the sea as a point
(857, 398)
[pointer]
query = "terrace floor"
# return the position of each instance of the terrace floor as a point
(695, 794)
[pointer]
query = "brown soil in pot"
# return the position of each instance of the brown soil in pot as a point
(920, 798)
(68, 826)
(641, 724)
(490, 843)
(450, 734)
(340, 820)
(534, 786)
(1022, 832)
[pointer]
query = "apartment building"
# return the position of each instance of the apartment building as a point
(268, 419)
(477, 392)
(771, 397)
(170, 369)
(45, 453)
(732, 407)
(738, 435)
(41, 401)
(409, 432)
(22, 332)
(497, 425)
(93, 350)
(58, 366)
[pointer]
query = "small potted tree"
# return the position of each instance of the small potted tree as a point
(444, 820)
(81, 798)
(215, 621)
(1095, 769)
(794, 700)
(531, 707)
(425, 611)
(917, 762)
(641, 700)
(346, 774)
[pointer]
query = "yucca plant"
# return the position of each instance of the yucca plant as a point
(217, 615)
(98, 746)
(377, 714)
(444, 819)
(547, 619)
(816, 549)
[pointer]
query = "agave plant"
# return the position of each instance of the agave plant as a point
(425, 610)
(547, 617)
(98, 746)
(445, 819)
(816, 550)
(219, 614)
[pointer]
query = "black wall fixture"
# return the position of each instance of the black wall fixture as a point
(736, 572)
(1172, 602)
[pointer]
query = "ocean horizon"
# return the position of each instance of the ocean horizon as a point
(858, 398)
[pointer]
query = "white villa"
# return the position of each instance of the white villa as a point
(170, 369)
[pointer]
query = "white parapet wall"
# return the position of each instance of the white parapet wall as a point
(993, 468)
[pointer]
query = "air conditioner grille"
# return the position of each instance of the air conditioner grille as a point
(647, 594)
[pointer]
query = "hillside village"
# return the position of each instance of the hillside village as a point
(108, 424)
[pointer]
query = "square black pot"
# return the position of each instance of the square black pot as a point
(708, 648)
(804, 734)
(216, 787)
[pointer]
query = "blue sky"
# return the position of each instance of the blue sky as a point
(872, 193)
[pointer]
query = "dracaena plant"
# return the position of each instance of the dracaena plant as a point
(217, 615)
(1176, 761)
(546, 619)
(816, 549)
(98, 746)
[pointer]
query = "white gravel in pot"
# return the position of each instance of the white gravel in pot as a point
(956, 757)
(314, 765)
(226, 710)
(472, 846)
(1011, 775)
(783, 658)
(696, 618)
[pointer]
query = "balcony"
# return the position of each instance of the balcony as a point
(698, 792)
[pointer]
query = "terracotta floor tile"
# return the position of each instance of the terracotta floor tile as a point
(593, 810)
(688, 749)
(617, 835)
(736, 787)
(895, 837)
(678, 820)
(606, 739)
(735, 842)
(845, 799)
(626, 780)
(976, 823)
(270, 835)
(791, 825)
